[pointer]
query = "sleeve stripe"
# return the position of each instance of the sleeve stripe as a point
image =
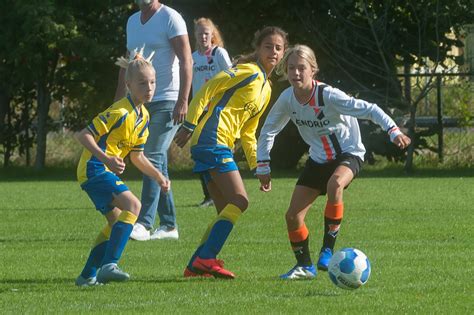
(189, 126)
(392, 129)
(92, 129)
(230, 73)
(321, 88)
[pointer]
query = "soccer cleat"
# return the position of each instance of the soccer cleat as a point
(188, 273)
(86, 282)
(140, 233)
(162, 233)
(207, 202)
(212, 266)
(300, 272)
(324, 258)
(111, 272)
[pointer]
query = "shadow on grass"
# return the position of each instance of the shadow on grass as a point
(20, 174)
(173, 279)
(71, 209)
(34, 281)
(44, 240)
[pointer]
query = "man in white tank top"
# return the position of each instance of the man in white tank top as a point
(159, 28)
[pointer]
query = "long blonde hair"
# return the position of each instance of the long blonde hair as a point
(302, 51)
(257, 41)
(216, 38)
(136, 62)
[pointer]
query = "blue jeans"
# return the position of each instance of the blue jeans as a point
(162, 131)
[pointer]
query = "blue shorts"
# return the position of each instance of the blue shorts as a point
(209, 158)
(101, 190)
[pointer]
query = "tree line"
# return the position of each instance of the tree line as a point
(64, 51)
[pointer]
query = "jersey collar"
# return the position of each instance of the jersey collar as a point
(263, 71)
(133, 105)
(311, 100)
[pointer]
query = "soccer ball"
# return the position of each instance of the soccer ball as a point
(349, 268)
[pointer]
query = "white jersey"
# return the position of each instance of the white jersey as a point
(208, 65)
(327, 123)
(155, 35)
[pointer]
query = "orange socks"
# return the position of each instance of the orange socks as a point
(333, 214)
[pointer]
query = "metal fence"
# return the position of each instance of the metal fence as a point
(441, 104)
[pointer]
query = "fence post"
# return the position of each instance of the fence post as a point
(440, 119)
(411, 123)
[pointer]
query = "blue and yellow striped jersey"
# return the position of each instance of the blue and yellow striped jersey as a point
(237, 98)
(117, 130)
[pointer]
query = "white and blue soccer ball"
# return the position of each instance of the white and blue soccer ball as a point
(349, 268)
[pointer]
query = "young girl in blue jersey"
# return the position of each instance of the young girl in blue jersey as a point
(236, 98)
(112, 135)
(326, 120)
(209, 59)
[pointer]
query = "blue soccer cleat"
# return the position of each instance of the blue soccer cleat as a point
(300, 272)
(324, 258)
(111, 272)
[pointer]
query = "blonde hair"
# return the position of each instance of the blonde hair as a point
(301, 51)
(216, 38)
(136, 62)
(257, 41)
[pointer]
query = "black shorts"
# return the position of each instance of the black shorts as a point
(317, 175)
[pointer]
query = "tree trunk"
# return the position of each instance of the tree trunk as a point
(5, 119)
(411, 122)
(26, 130)
(7, 143)
(44, 101)
(4, 105)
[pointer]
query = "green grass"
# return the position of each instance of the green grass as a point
(417, 231)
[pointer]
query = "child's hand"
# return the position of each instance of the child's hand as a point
(182, 137)
(402, 141)
(265, 182)
(165, 185)
(115, 164)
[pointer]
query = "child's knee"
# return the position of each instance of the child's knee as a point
(241, 202)
(135, 206)
(293, 217)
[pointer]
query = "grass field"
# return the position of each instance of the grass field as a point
(417, 231)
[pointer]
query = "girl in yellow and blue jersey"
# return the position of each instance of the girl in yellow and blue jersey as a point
(236, 99)
(120, 130)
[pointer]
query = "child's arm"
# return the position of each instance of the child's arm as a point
(114, 163)
(144, 165)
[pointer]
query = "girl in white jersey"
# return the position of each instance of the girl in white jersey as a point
(209, 59)
(210, 56)
(326, 119)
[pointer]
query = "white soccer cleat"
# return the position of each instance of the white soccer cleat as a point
(300, 272)
(140, 233)
(111, 272)
(86, 282)
(162, 233)
(206, 203)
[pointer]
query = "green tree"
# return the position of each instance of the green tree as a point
(58, 50)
